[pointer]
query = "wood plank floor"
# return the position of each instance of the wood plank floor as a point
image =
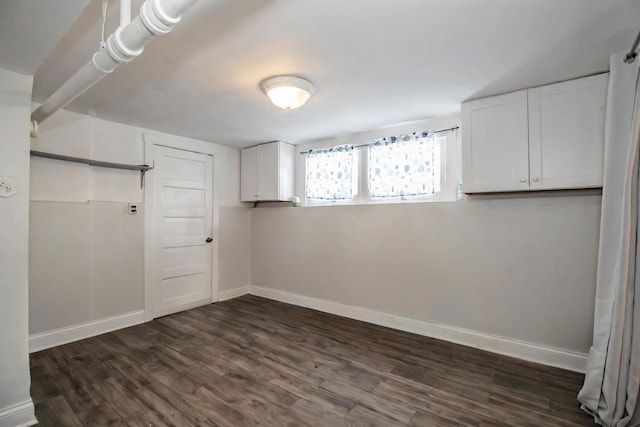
(251, 361)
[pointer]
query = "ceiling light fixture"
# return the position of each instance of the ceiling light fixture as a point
(288, 92)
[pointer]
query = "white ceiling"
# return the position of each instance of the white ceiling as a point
(374, 63)
(30, 29)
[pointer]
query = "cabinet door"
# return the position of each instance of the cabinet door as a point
(248, 174)
(566, 133)
(268, 171)
(495, 150)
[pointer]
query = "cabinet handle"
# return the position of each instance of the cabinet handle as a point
(523, 180)
(536, 179)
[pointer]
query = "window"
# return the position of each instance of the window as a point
(412, 167)
(405, 166)
(331, 174)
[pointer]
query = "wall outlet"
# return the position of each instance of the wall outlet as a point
(8, 187)
(133, 209)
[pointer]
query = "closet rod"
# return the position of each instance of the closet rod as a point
(98, 163)
(91, 162)
(631, 56)
(366, 145)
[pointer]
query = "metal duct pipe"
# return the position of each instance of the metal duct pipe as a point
(126, 43)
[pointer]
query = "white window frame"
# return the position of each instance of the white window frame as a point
(450, 156)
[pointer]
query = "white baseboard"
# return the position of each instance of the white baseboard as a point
(233, 293)
(519, 349)
(69, 334)
(19, 415)
(496, 344)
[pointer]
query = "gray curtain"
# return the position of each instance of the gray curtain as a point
(612, 379)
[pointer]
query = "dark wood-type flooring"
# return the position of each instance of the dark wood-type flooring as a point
(252, 361)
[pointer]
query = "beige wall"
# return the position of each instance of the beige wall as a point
(86, 263)
(15, 98)
(87, 252)
(517, 267)
(521, 267)
(235, 238)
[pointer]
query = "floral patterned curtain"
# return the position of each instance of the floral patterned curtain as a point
(408, 165)
(330, 173)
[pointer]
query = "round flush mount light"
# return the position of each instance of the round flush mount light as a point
(288, 92)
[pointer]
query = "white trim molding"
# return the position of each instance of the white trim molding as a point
(19, 415)
(69, 334)
(233, 293)
(550, 356)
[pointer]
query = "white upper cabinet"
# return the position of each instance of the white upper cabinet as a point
(550, 137)
(566, 133)
(267, 172)
(495, 143)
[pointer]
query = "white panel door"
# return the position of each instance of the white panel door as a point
(566, 133)
(183, 196)
(495, 146)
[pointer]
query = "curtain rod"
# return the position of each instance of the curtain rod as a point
(631, 56)
(366, 145)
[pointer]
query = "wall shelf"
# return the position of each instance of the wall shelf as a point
(98, 163)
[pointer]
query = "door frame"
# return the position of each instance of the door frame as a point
(151, 265)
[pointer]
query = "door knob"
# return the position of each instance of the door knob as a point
(209, 240)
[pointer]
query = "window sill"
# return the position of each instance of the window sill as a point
(394, 201)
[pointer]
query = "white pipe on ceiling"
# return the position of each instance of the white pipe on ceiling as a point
(126, 43)
(125, 12)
